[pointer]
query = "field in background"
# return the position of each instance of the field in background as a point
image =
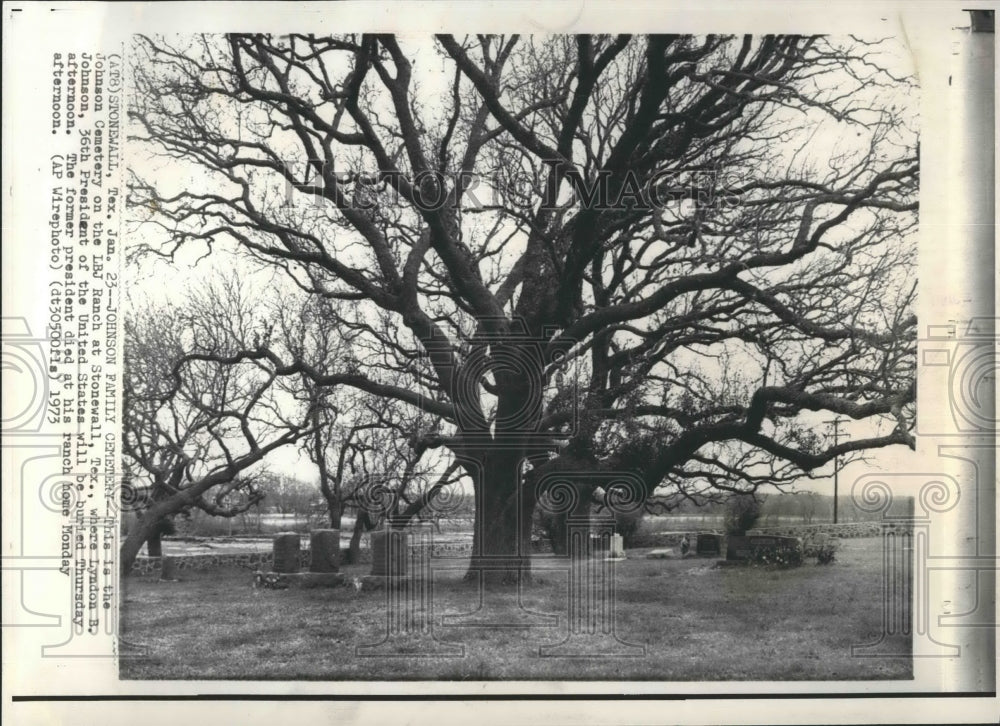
(696, 622)
(304, 513)
(451, 530)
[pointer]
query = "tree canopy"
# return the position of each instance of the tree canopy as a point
(655, 254)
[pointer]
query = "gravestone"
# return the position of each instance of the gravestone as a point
(324, 545)
(617, 547)
(661, 555)
(168, 569)
(709, 544)
(776, 549)
(287, 554)
(389, 552)
(737, 547)
(607, 545)
(409, 602)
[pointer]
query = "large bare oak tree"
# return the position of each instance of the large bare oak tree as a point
(656, 255)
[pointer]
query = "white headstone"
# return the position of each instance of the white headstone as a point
(616, 551)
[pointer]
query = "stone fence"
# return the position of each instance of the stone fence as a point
(265, 560)
(806, 532)
(847, 530)
(245, 560)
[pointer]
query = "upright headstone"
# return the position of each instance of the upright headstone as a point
(324, 545)
(409, 603)
(616, 548)
(168, 569)
(709, 544)
(287, 555)
(598, 544)
(389, 551)
(737, 547)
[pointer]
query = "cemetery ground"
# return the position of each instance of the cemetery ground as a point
(696, 621)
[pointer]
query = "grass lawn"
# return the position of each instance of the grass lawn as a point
(696, 622)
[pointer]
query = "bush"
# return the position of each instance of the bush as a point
(545, 527)
(166, 527)
(742, 513)
(823, 547)
(627, 525)
(784, 557)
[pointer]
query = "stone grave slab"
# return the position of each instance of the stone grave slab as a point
(616, 549)
(737, 547)
(661, 555)
(389, 553)
(325, 548)
(287, 552)
(610, 546)
(709, 545)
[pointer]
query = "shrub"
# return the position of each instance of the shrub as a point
(826, 554)
(784, 557)
(823, 547)
(546, 527)
(742, 513)
(166, 527)
(627, 525)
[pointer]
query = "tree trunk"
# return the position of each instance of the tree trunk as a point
(336, 513)
(501, 544)
(501, 548)
(145, 528)
(154, 548)
(558, 529)
(331, 494)
(354, 550)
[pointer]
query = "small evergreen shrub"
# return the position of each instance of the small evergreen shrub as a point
(742, 513)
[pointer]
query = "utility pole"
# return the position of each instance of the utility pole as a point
(836, 465)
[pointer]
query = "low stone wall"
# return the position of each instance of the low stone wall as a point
(848, 530)
(245, 560)
(150, 566)
(448, 549)
(806, 532)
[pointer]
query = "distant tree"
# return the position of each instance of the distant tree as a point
(288, 495)
(363, 445)
(810, 504)
(196, 419)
